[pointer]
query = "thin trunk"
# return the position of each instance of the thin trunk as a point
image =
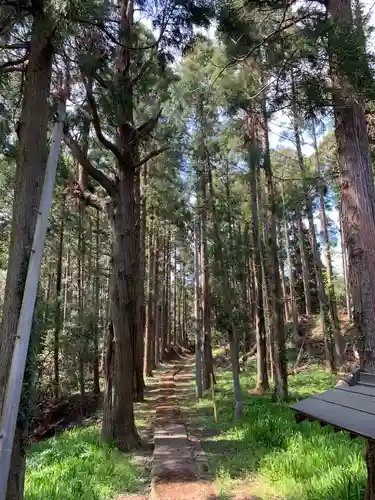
(167, 313)
(58, 318)
(179, 305)
(198, 322)
(305, 268)
(233, 345)
(163, 314)
(47, 299)
(262, 374)
(278, 327)
(344, 254)
(184, 307)
(67, 287)
(208, 368)
(150, 309)
(83, 183)
(225, 265)
(323, 306)
(175, 296)
(81, 320)
(155, 302)
(335, 324)
(292, 283)
(97, 307)
(284, 291)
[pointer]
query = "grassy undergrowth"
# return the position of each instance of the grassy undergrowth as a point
(76, 464)
(268, 454)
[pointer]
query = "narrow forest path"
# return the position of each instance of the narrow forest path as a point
(180, 467)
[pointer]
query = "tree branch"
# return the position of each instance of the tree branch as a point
(84, 195)
(82, 159)
(280, 28)
(96, 122)
(10, 64)
(114, 39)
(14, 46)
(144, 130)
(12, 69)
(151, 155)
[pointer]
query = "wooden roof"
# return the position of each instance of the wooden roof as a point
(349, 406)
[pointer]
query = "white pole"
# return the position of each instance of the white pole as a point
(17, 369)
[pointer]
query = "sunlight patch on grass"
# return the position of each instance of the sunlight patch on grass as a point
(76, 464)
(267, 448)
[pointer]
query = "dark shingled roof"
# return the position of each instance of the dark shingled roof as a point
(349, 406)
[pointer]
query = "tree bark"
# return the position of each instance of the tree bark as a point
(305, 268)
(97, 307)
(150, 309)
(335, 324)
(30, 172)
(344, 254)
(357, 204)
(140, 214)
(155, 302)
(323, 305)
(118, 424)
(292, 282)
(208, 369)
(58, 318)
(198, 319)
(81, 302)
(278, 327)
(262, 374)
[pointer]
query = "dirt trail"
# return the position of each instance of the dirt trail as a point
(180, 467)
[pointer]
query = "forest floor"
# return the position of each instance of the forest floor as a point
(76, 464)
(266, 455)
(262, 456)
(180, 468)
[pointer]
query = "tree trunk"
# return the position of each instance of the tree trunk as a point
(167, 315)
(30, 172)
(323, 306)
(58, 318)
(81, 302)
(208, 369)
(358, 207)
(233, 345)
(163, 301)
(292, 283)
(305, 268)
(184, 308)
(150, 309)
(284, 291)
(119, 423)
(198, 322)
(262, 374)
(174, 329)
(344, 254)
(155, 302)
(97, 307)
(335, 324)
(278, 327)
(140, 213)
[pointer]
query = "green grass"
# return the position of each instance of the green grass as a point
(267, 453)
(76, 464)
